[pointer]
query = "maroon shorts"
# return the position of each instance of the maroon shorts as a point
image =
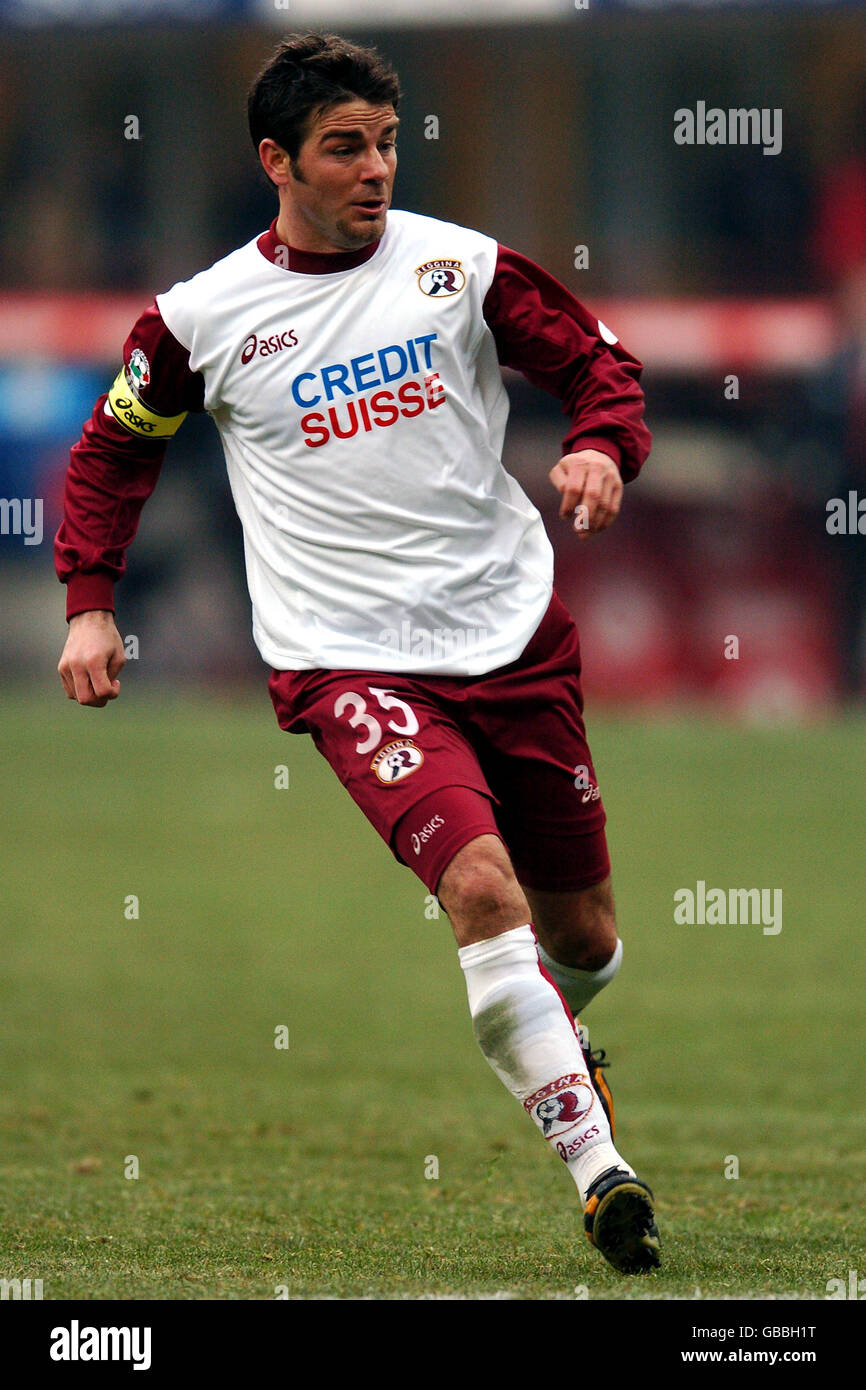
(434, 761)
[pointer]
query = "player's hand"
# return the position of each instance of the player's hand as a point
(591, 488)
(92, 659)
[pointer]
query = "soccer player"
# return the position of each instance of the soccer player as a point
(401, 581)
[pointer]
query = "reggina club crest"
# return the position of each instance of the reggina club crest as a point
(441, 278)
(397, 760)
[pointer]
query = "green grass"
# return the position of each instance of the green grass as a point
(305, 1167)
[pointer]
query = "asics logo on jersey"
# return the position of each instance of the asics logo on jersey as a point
(275, 343)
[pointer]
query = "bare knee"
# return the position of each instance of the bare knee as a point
(480, 892)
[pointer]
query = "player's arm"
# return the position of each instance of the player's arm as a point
(113, 469)
(541, 330)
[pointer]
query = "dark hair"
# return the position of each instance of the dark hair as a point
(306, 74)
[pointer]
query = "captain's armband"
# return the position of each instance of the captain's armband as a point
(137, 417)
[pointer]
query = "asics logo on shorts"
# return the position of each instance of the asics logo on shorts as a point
(583, 784)
(426, 832)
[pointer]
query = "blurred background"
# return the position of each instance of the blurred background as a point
(738, 278)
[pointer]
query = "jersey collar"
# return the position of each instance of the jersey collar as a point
(311, 262)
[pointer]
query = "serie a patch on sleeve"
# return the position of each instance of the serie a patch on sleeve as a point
(129, 410)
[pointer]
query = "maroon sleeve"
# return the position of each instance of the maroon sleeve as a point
(113, 469)
(541, 330)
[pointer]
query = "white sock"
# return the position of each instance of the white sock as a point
(527, 1035)
(577, 987)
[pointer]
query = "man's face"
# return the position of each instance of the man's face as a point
(342, 179)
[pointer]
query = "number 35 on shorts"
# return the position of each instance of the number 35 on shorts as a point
(373, 732)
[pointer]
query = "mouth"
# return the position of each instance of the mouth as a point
(372, 206)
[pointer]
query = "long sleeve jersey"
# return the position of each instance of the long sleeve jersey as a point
(360, 404)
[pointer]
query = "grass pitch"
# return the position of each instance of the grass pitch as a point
(147, 1044)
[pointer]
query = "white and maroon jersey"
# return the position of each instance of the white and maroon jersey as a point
(361, 409)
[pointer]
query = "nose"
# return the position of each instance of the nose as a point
(375, 169)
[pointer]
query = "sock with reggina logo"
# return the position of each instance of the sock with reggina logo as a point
(526, 1032)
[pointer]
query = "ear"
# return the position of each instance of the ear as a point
(275, 162)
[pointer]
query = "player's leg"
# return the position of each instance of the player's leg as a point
(532, 746)
(574, 917)
(528, 731)
(526, 1033)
